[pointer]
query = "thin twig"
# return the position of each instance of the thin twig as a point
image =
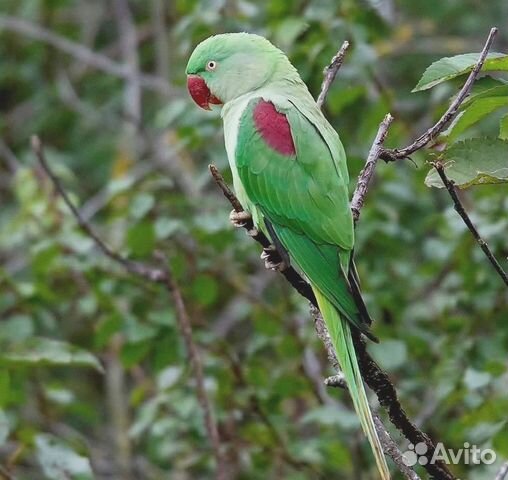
(390, 155)
(156, 275)
(389, 446)
(330, 72)
(256, 406)
(392, 450)
(82, 53)
(380, 383)
(457, 204)
(366, 174)
(5, 474)
(503, 471)
(185, 328)
(153, 274)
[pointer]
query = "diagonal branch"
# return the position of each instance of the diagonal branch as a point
(82, 53)
(390, 155)
(330, 72)
(157, 275)
(503, 472)
(363, 182)
(457, 204)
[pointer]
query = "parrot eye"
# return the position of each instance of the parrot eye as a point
(211, 65)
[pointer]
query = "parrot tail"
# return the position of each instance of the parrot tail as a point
(340, 334)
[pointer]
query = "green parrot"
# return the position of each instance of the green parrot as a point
(290, 174)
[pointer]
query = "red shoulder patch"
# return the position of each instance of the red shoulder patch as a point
(274, 128)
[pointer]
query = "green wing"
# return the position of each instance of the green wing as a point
(305, 198)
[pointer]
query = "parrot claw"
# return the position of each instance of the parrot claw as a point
(239, 219)
(273, 260)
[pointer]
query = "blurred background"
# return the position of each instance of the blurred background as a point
(102, 83)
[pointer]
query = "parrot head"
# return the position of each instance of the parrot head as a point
(226, 66)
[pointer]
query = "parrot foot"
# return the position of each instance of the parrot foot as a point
(273, 259)
(239, 219)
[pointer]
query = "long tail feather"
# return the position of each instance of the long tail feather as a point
(340, 334)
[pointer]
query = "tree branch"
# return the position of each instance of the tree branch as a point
(503, 471)
(367, 173)
(372, 373)
(390, 155)
(330, 72)
(157, 275)
(82, 53)
(291, 275)
(457, 204)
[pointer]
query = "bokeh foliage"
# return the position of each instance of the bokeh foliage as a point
(141, 179)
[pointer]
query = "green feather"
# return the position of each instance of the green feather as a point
(340, 334)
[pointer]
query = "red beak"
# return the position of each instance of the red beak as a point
(200, 92)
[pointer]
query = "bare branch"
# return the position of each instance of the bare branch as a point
(389, 446)
(149, 273)
(291, 275)
(503, 471)
(366, 174)
(228, 193)
(11, 160)
(82, 53)
(457, 204)
(330, 72)
(391, 449)
(157, 275)
(400, 153)
(380, 383)
(128, 45)
(5, 473)
(185, 327)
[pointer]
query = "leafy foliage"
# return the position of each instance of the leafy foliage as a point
(44, 351)
(140, 176)
(476, 161)
(451, 67)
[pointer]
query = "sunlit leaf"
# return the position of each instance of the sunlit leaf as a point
(475, 112)
(450, 67)
(503, 128)
(476, 161)
(39, 351)
(59, 461)
(475, 379)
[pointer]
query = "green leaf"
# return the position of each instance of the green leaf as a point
(60, 462)
(503, 128)
(475, 379)
(289, 30)
(141, 238)
(45, 351)
(487, 87)
(451, 67)
(205, 290)
(477, 110)
(5, 427)
(476, 161)
(392, 356)
(500, 441)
